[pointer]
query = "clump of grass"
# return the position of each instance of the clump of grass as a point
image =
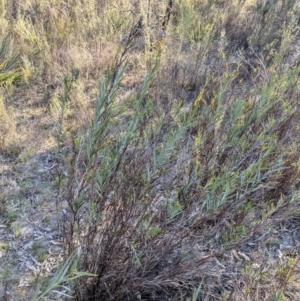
(39, 251)
(10, 66)
(16, 229)
(7, 126)
(10, 72)
(11, 215)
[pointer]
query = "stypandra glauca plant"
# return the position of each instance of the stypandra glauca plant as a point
(155, 192)
(62, 281)
(129, 235)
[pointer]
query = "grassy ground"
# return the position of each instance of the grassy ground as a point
(149, 150)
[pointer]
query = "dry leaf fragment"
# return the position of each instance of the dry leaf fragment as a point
(32, 268)
(235, 254)
(35, 261)
(244, 256)
(24, 282)
(138, 295)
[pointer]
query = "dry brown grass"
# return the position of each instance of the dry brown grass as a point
(7, 126)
